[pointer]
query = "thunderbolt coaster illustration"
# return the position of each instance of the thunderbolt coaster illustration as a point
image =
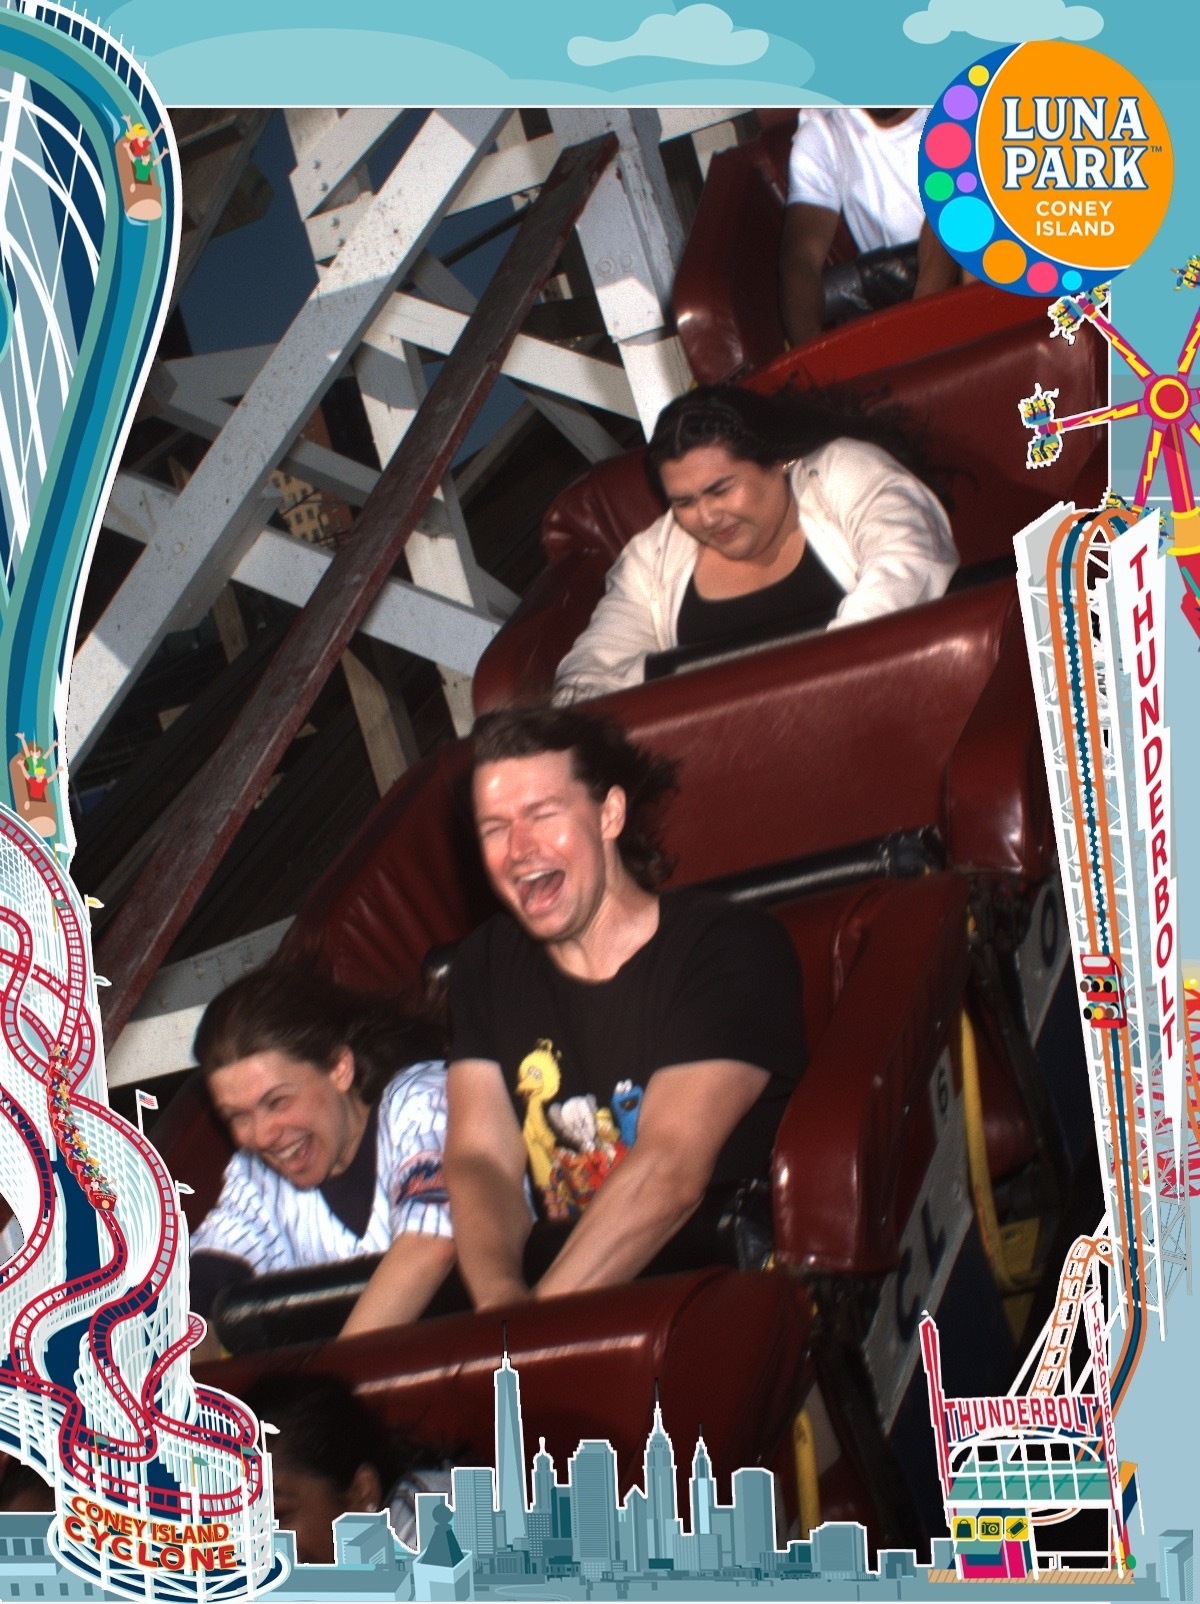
(161, 1489)
(1093, 592)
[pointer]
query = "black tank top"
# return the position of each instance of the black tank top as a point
(807, 598)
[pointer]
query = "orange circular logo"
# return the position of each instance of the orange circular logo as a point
(1045, 167)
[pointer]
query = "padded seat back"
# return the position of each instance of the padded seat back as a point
(726, 291)
(595, 1378)
(925, 717)
(885, 970)
(411, 879)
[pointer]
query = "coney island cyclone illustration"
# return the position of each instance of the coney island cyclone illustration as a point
(160, 1487)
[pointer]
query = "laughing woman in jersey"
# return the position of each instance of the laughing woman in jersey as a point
(785, 513)
(338, 1113)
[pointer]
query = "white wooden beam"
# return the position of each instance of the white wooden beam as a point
(328, 160)
(508, 172)
(531, 361)
(158, 1039)
(630, 229)
(632, 239)
(405, 616)
(186, 388)
(676, 121)
(187, 567)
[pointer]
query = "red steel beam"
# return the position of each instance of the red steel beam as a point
(166, 891)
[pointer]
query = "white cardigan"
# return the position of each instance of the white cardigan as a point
(878, 530)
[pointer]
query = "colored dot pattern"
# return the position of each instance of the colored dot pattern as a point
(1042, 278)
(960, 102)
(966, 224)
(959, 208)
(947, 145)
(1004, 261)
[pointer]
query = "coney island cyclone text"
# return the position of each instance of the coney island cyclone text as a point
(152, 1544)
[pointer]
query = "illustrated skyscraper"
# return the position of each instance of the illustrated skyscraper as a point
(543, 1481)
(753, 1516)
(661, 1519)
(510, 1451)
(593, 1476)
(704, 1492)
(474, 1520)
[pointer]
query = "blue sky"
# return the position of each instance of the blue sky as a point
(808, 46)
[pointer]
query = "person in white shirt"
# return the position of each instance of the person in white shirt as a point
(338, 1114)
(860, 165)
(786, 513)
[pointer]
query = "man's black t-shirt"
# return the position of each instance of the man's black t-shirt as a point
(714, 981)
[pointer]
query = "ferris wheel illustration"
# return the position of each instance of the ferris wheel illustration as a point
(1168, 400)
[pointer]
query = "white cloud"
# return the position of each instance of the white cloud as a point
(1002, 21)
(700, 33)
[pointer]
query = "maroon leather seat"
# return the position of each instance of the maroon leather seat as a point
(956, 365)
(726, 291)
(924, 717)
(726, 1349)
(885, 967)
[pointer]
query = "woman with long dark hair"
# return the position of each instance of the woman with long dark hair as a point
(785, 513)
(338, 1111)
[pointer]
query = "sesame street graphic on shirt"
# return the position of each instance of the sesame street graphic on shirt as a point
(572, 1146)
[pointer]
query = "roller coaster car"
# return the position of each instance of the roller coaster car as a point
(38, 815)
(141, 197)
(726, 292)
(940, 357)
(1103, 993)
(737, 1340)
(866, 1136)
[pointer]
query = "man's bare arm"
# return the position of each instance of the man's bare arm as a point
(485, 1176)
(687, 1115)
(807, 235)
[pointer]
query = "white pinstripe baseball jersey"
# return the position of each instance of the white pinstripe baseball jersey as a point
(264, 1220)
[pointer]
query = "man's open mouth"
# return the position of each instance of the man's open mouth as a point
(537, 891)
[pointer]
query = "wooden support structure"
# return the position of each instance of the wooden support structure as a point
(176, 874)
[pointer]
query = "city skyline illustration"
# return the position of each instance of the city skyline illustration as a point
(515, 1530)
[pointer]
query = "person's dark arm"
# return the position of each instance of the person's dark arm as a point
(485, 1177)
(936, 268)
(807, 235)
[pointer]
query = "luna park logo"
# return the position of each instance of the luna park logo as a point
(1045, 168)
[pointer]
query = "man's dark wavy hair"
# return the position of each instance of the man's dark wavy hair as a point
(774, 429)
(602, 755)
(295, 1011)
